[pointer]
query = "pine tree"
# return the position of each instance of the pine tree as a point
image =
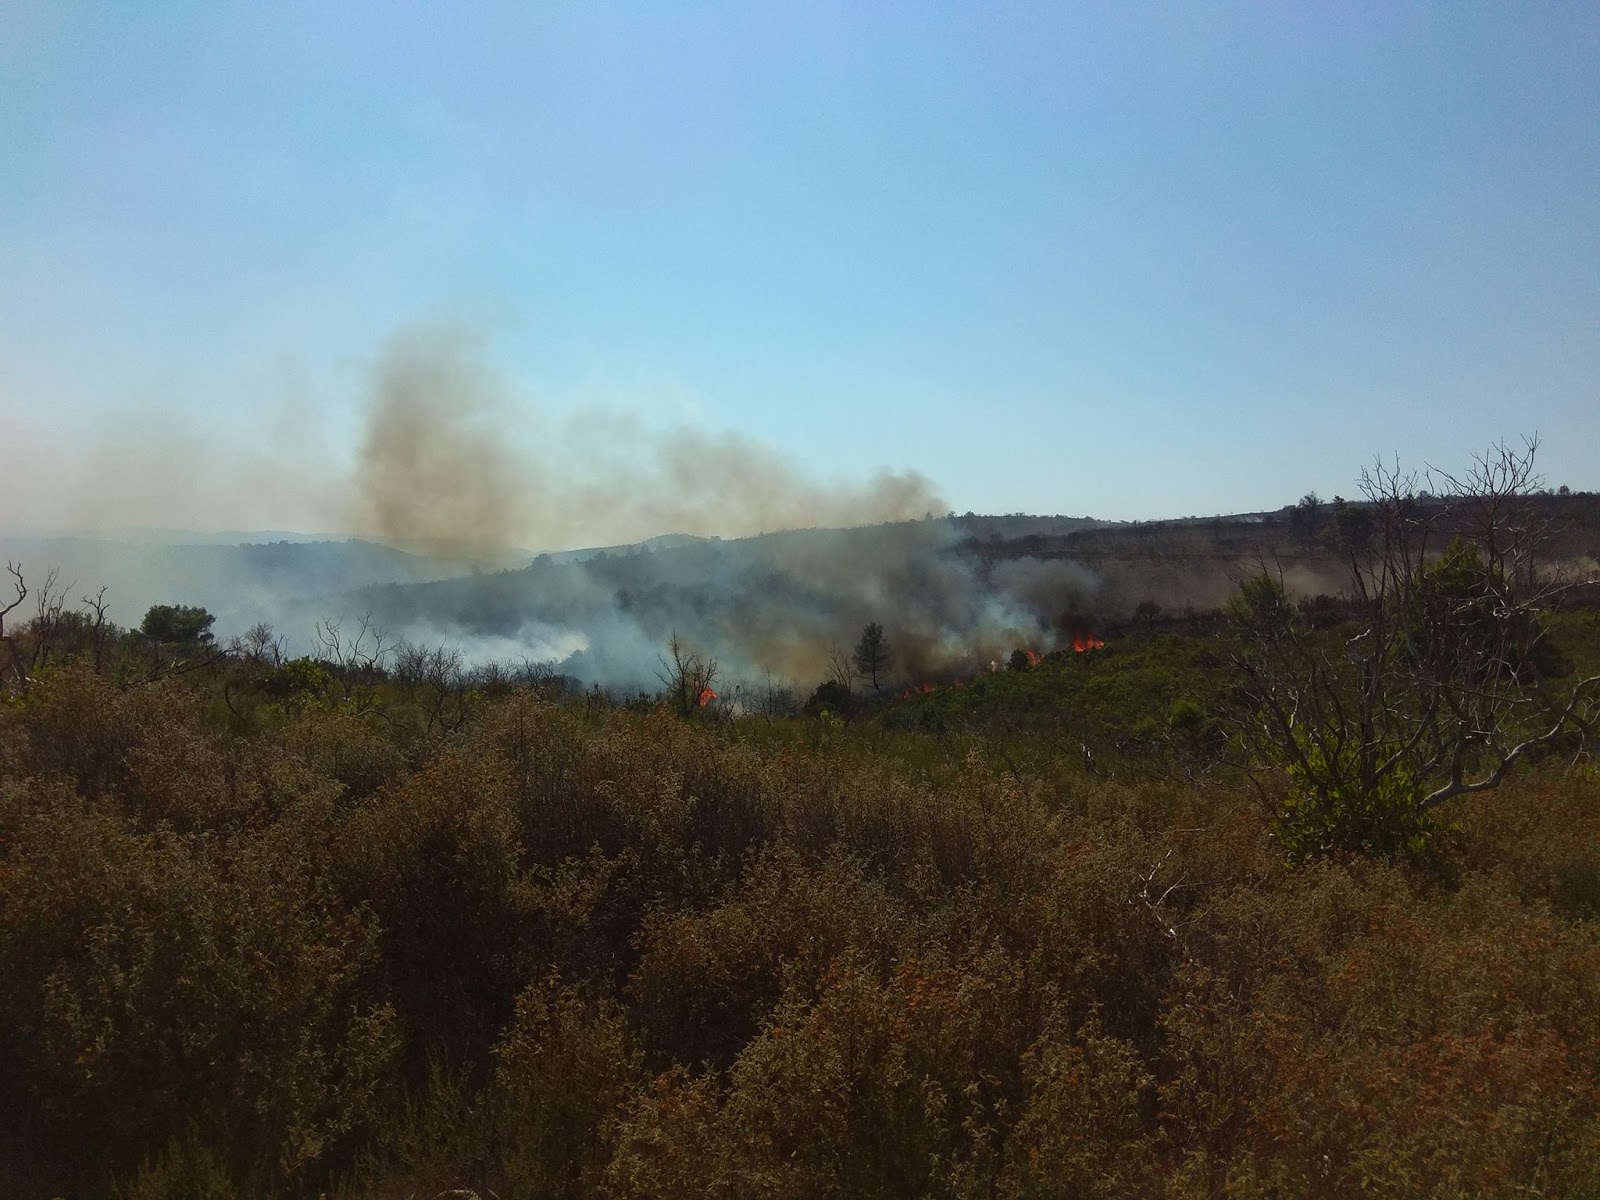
(873, 655)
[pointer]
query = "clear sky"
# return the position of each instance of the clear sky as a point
(1114, 259)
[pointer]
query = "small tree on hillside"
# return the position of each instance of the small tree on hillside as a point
(872, 655)
(1353, 527)
(177, 624)
(1305, 519)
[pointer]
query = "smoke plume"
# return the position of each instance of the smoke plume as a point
(462, 472)
(452, 459)
(790, 604)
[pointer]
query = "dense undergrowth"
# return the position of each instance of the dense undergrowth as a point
(288, 940)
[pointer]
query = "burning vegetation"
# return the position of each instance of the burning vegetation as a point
(786, 605)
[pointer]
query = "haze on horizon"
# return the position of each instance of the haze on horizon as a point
(575, 274)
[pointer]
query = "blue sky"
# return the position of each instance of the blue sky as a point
(1124, 260)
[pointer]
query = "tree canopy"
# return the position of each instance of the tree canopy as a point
(180, 623)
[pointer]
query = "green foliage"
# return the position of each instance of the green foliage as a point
(1435, 687)
(1262, 602)
(1336, 806)
(1454, 616)
(1305, 519)
(1118, 700)
(177, 623)
(830, 696)
(299, 684)
(1353, 527)
(183, 1171)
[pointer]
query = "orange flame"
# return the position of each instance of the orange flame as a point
(706, 696)
(1034, 657)
(1082, 643)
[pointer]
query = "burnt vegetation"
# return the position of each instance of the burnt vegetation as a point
(1275, 889)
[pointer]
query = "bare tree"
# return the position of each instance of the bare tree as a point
(435, 673)
(841, 667)
(775, 698)
(538, 676)
(260, 645)
(687, 676)
(55, 632)
(99, 628)
(1443, 683)
(9, 640)
(46, 626)
(358, 656)
(769, 700)
(362, 651)
(258, 653)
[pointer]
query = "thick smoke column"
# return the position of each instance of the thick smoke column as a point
(432, 471)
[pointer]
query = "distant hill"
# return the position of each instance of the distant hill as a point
(947, 590)
(1017, 525)
(1196, 561)
(241, 583)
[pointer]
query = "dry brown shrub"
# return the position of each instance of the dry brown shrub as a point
(163, 987)
(706, 980)
(1356, 1031)
(1544, 830)
(440, 961)
(437, 860)
(863, 1085)
(566, 1066)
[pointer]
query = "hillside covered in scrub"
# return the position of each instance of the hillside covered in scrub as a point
(569, 950)
(299, 930)
(1297, 895)
(799, 602)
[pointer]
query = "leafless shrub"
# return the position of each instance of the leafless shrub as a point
(1444, 684)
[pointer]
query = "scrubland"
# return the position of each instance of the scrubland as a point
(263, 935)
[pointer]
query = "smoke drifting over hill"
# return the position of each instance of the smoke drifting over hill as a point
(450, 458)
(454, 462)
(781, 604)
(451, 462)
(436, 449)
